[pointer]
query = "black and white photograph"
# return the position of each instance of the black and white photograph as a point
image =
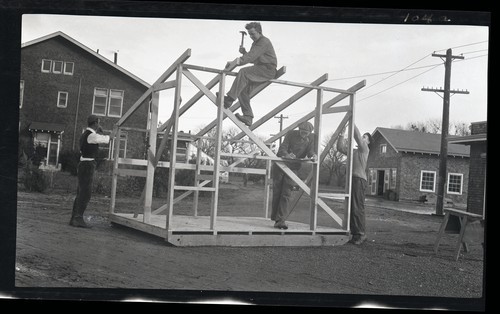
(224, 154)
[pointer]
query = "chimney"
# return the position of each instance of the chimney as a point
(116, 57)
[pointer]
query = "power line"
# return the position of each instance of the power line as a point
(411, 78)
(466, 45)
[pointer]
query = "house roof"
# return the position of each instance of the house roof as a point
(87, 49)
(47, 127)
(418, 142)
(467, 140)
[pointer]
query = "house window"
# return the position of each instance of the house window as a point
(115, 103)
(123, 147)
(100, 101)
(427, 181)
(21, 93)
(383, 148)
(455, 183)
(393, 178)
(57, 67)
(68, 68)
(48, 144)
(62, 99)
(46, 65)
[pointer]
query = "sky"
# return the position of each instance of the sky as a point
(395, 61)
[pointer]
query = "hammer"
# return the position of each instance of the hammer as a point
(243, 33)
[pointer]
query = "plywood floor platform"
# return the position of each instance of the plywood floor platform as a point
(231, 231)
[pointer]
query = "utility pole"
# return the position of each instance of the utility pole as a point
(281, 117)
(443, 155)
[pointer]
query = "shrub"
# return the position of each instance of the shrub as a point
(33, 178)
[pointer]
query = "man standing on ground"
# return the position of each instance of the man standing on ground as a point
(89, 148)
(359, 183)
(296, 145)
(264, 61)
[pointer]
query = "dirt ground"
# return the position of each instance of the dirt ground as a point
(396, 267)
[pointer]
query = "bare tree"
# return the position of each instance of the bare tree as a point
(333, 164)
(434, 126)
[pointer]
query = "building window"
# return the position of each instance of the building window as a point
(68, 68)
(123, 147)
(62, 99)
(115, 103)
(393, 178)
(48, 144)
(21, 93)
(57, 67)
(100, 101)
(46, 65)
(455, 183)
(383, 148)
(427, 181)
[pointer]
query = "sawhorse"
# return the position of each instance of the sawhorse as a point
(464, 218)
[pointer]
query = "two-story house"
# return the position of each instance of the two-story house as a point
(62, 83)
(404, 165)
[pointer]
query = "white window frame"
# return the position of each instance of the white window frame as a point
(123, 140)
(65, 71)
(461, 183)
(21, 93)
(50, 65)
(54, 63)
(59, 99)
(110, 96)
(393, 178)
(433, 181)
(383, 148)
(105, 104)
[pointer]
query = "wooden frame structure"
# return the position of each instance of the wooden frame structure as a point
(196, 230)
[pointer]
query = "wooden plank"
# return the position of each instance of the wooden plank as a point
(193, 188)
(315, 167)
(131, 173)
(173, 145)
(324, 88)
(165, 85)
(150, 169)
(161, 79)
(212, 70)
(114, 179)
(217, 157)
(284, 105)
(322, 157)
(337, 109)
(283, 167)
(310, 115)
(193, 100)
(236, 105)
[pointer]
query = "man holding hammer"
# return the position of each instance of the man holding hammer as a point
(264, 61)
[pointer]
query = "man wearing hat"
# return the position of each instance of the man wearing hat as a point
(298, 144)
(89, 148)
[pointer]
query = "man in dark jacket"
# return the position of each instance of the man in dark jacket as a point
(264, 61)
(297, 144)
(89, 148)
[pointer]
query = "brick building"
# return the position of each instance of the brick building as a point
(404, 165)
(63, 82)
(477, 141)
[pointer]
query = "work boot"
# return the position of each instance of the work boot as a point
(245, 119)
(280, 224)
(228, 101)
(78, 222)
(358, 239)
